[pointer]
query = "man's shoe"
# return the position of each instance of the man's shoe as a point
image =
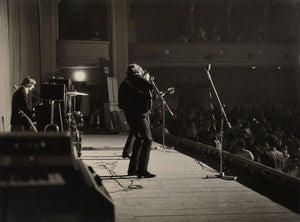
(124, 155)
(145, 175)
(131, 173)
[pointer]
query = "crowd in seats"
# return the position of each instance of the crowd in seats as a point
(252, 35)
(270, 136)
(201, 35)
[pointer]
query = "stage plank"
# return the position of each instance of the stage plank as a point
(180, 192)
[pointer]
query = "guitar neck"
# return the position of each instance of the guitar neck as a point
(29, 121)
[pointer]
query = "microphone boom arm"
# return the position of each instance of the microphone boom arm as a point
(162, 97)
(218, 98)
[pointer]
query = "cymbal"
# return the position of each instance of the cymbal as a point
(76, 93)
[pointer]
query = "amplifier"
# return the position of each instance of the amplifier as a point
(43, 115)
(66, 82)
(43, 184)
(35, 149)
(54, 92)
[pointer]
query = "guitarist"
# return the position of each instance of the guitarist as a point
(135, 99)
(21, 101)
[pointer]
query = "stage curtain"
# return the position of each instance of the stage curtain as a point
(19, 50)
(5, 77)
(24, 40)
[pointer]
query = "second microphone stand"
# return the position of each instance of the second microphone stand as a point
(164, 106)
(223, 116)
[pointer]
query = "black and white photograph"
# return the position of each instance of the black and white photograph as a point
(149, 110)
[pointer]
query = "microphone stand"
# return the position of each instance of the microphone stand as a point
(223, 116)
(164, 106)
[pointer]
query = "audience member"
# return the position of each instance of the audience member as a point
(200, 35)
(241, 151)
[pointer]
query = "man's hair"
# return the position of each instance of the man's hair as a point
(134, 69)
(28, 81)
(272, 140)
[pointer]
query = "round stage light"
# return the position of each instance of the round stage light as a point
(79, 76)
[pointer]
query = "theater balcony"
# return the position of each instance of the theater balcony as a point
(172, 54)
(84, 52)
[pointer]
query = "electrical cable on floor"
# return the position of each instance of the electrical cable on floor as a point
(111, 171)
(204, 167)
(166, 150)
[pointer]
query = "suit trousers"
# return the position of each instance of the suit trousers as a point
(140, 127)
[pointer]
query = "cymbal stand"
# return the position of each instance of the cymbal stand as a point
(73, 130)
(164, 107)
(52, 126)
(70, 113)
(223, 117)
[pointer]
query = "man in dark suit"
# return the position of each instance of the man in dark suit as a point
(135, 98)
(21, 102)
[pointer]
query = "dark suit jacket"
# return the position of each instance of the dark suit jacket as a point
(135, 95)
(20, 101)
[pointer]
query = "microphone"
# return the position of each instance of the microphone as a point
(171, 90)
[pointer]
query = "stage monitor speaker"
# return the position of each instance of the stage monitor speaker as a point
(54, 92)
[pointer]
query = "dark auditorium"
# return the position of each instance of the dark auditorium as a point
(150, 110)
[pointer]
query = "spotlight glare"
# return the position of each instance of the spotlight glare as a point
(253, 67)
(79, 76)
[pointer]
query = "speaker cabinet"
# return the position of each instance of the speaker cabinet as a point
(43, 115)
(54, 92)
(62, 81)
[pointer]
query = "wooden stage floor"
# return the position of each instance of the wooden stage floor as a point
(180, 192)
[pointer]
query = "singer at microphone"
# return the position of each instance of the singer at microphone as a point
(135, 99)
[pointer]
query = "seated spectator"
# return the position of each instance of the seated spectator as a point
(276, 156)
(239, 38)
(192, 132)
(215, 37)
(182, 38)
(279, 133)
(200, 35)
(96, 35)
(158, 130)
(241, 151)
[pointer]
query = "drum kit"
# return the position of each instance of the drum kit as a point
(71, 100)
(75, 119)
(72, 120)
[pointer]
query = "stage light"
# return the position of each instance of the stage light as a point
(79, 76)
(166, 52)
(253, 67)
